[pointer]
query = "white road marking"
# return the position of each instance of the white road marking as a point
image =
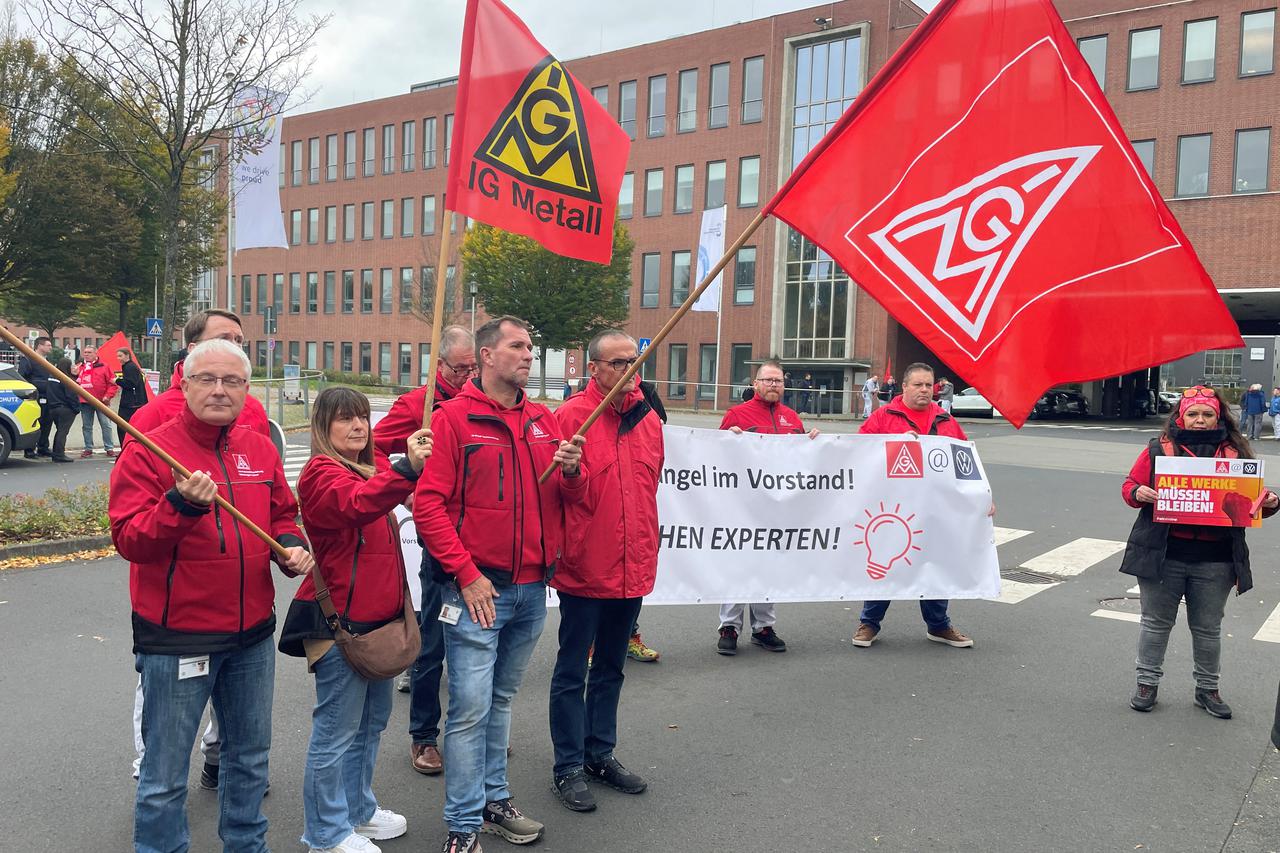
(1270, 630)
(1074, 557)
(1117, 614)
(1015, 592)
(1008, 534)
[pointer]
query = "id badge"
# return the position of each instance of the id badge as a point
(193, 667)
(450, 614)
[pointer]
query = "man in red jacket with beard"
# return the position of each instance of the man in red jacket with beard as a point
(610, 560)
(763, 412)
(203, 599)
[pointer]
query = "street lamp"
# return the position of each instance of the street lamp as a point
(471, 287)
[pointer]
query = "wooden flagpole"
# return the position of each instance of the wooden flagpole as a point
(437, 316)
(66, 380)
(667, 329)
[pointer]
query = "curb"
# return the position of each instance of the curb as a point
(54, 547)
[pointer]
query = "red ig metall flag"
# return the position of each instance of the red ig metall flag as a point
(533, 152)
(107, 355)
(982, 190)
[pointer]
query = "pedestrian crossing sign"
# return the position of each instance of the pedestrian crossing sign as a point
(155, 327)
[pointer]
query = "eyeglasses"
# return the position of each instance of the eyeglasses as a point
(1200, 391)
(463, 369)
(617, 363)
(208, 380)
(770, 381)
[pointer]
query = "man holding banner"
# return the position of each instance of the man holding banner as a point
(913, 412)
(763, 413)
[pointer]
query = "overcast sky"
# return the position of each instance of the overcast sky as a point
(378, 49)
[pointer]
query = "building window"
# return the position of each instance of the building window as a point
(277, 293)
(752, 89)
(346, 357)
(424, 360)
(348, 222)
(348, 291)
(262, 293)
(429, 143)
(331, 157)
(627, 107)
(626, 195)
(677, 370)
(1193, 166)
(313, 295)
(388, 149)
(827, 76)
(293, 352)
(406, 216)
(715, 184)
(327, 364)
(331, 224)
(366, 358)
(246, 294)
(1094, 51)
(707, 372)
(295, 293)
(1199, 49)
(388, 218)
(311, 355)
(815, 305)
(680, 277)
(448, 137)
(744, 276)
(349, 155)
(384, 362)
(1146, 151)
(366, 291)
(658, 105)
(295, 227)
(650, 276)
(739, 365)
(295, 155)
(330, 283)
(386, 290)
(748, 182)
(1223, 367)
(280, 166)
(1253, 152)
(718, 115)
(313, 160)
(404, 371)
(684, 189)
(313, 225)
(406, 290)
(687, 117)
(366, 224)
(601, 94)
(368, 152)
(1144, 59)
(426, 289)
(260, 350)
(202, 293)
(653, 192)
(408, 145)
(428, 214)
(1257, 42)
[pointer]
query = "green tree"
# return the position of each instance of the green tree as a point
(566, 301)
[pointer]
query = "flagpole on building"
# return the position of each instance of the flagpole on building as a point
(231, 237)
(667, 328)
(437, 317)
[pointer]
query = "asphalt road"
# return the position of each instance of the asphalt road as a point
(1023, 743)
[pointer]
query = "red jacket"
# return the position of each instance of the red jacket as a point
(896, 417)
(478, 503)
(198, 581)
(405, 417)
(167, 406)
(98, 380)
(611, 539)
(356, 543)
(755, 415)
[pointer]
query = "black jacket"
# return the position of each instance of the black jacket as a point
(60, 395)
(35, 374)
(133, 386)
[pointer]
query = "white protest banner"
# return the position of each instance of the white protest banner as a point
(1216, 492)
(257, 192)
(710, 250)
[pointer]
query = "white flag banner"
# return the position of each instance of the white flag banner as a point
(259, 224)
(710, 250)
(755, 517)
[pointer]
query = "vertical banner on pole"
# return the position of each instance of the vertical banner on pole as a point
(255, 177)
(710, 247)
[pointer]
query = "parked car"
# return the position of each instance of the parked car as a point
(1168, 400)
(971, 404)
(19, 413)
(1062, 403)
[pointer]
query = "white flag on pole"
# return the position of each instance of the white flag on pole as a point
(710, 248)
(256, 170)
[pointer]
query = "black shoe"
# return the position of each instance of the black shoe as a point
(29, 454)
(1211, 701)
(1144, 698)
(612, 773)
(44, 452)
(62, 458)
(572, 790)
(728, 644)
(209, 777)
(766, 638)
(462, 842)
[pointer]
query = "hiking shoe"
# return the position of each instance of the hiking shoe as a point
(461, 842)
(426, 758)
(612, 773)
(1144, 697)
(353, 843)
(572, 790)
(637, 650)
(87, 453)
(951, 637)
(1211, 701)
(501, 817)
(766, 638)
(404, 681)
(865, 636)
(383, 825)
(209, 777)
(728, 644)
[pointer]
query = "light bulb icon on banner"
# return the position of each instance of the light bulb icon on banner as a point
(888, 537)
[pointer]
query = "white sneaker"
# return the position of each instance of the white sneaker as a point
(353, 843)
(383, 825)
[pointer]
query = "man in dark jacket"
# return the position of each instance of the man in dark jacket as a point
(609, 565)
(39, 377)
(203, 599)
(1252, 407)
(913, 412)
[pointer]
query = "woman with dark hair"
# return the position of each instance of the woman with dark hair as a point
(1197, 563)
(133, 388)
(346, 496)
(64, 406)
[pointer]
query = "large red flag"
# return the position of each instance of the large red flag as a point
(107, 355)
(533, 152)
(982, 190)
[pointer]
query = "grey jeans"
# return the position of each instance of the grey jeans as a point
(762, 616)
(1205, 586)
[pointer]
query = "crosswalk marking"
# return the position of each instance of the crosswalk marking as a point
(1117, 614)
(1008, 534)
(1074, 557)
(1016, 592)
(1270, 630)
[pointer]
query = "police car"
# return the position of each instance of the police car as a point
(19, 412)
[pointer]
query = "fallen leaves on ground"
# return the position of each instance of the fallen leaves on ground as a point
(32, 562)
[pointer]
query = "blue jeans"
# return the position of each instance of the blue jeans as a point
(87, 414)
(240, 683)
(346, 728)
(424, 700)
(586, 726)
(934, 611)
(1206, 587)
(486, 666)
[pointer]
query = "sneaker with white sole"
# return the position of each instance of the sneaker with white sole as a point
(461, 842)
(383, 825)
(501, 817)
(951, 637)
(353, 843)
